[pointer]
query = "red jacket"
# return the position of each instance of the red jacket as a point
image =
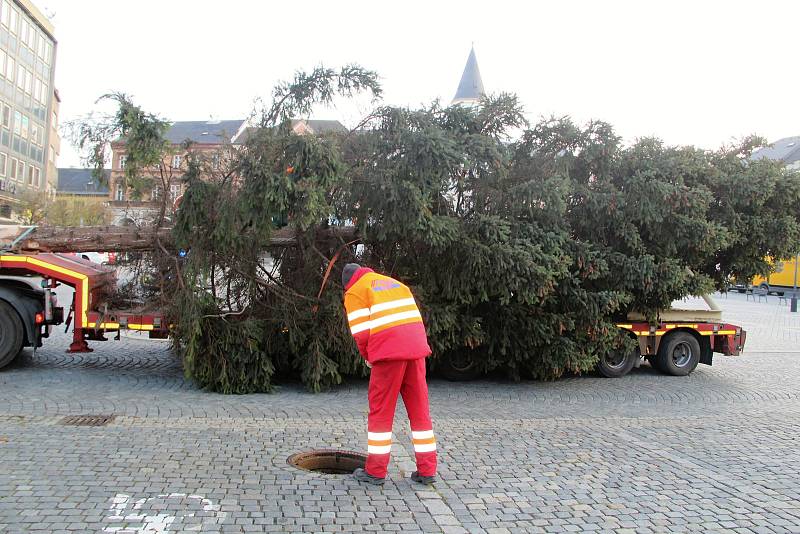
(384, 318)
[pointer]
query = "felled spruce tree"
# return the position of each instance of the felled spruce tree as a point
(522, 244)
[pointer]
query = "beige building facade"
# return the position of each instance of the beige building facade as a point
(28, 105)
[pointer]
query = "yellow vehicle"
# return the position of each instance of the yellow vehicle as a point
(781, 281)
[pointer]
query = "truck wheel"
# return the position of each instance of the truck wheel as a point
(678, 354)
(11, 334)
(459, 367)
(617, 363)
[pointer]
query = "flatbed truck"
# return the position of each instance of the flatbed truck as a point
(29, 310)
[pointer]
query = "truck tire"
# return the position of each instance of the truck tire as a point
(617, 363)
(11, 334)
(678, 354)
(458, 367)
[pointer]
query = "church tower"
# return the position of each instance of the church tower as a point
(470, 89)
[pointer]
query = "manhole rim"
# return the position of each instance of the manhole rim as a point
(354, 455)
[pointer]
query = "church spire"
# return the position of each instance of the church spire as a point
(470, 89)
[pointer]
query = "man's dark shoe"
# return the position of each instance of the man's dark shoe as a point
(416, 477)
(362, 476)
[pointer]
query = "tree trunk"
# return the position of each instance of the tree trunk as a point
(119, 238)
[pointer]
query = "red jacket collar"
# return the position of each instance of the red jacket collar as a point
(356, 275)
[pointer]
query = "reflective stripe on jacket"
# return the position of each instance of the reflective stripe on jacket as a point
(383, 318)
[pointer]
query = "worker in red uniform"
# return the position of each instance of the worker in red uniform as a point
(390, 335)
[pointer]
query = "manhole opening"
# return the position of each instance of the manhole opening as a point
(328, 461)
(87, 420)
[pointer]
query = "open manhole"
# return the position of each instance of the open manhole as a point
(328, 461)
(87, 420)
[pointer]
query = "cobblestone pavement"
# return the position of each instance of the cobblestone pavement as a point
(717, 451)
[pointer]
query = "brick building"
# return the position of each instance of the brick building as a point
(207, 137)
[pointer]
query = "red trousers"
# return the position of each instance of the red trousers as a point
(387, 379)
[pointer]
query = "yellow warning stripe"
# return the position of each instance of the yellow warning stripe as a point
(719, 333)
(107, 326)
(132, 326)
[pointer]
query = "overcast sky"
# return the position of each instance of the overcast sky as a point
(691, 72)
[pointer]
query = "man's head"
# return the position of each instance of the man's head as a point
(348, 272)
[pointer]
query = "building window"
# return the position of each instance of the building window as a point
(30, 174)
(5, 15)
(122, 161)
(120, 194)
(10, 69)
(20, 172)
(3, 160)
(12, 172)
(155, 194)
(3, 59)
(13, 21)
(20, 76)
(28, 81)
(176, 162)
(42, 43)
(37, 176)
(174, 191)
(25, 125)
(7, 116)
(18, 123)
(36, 138)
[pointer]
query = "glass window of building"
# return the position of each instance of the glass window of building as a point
(20, 76)
(3, 161)
(10, 69)
(176, 162)
(122, 160)
(25, 126)
(5, 14)
(28, 81)
(13, 20)
(37, 178)
(6, 115)
(30, 175)
(3, 58)
(120, 194)
(18, 123)
(12, 171)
